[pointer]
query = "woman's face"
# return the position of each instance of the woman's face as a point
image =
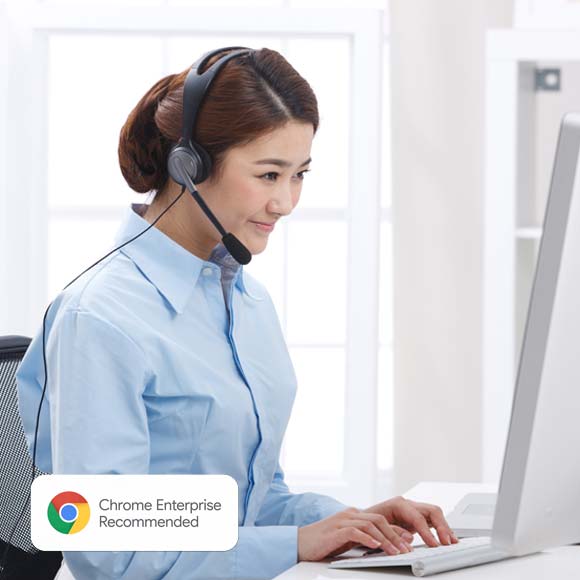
(260, 182)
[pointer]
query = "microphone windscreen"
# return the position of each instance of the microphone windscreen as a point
(239, 252)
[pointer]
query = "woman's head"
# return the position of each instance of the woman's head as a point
(257, 103)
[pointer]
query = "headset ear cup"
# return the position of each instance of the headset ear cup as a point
(205, 165)
(183, 158)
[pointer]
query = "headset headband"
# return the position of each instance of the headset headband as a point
(188, 162)
(196, 86)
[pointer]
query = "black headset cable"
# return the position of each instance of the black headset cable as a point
(8, 543)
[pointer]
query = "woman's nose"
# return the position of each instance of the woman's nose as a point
(282, 202)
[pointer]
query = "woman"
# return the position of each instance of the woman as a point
(168, 357)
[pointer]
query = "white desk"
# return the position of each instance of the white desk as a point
(549, 565)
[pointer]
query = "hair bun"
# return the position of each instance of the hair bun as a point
(143, 150)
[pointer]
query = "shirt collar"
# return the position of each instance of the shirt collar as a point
(172, 269)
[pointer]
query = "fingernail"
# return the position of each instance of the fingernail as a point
(376, 543)
(404, 547)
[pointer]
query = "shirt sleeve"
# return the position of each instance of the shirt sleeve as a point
(97, 375)
(282, 507)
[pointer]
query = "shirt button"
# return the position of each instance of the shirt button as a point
(207, 271)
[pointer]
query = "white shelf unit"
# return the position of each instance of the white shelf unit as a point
(513, 207)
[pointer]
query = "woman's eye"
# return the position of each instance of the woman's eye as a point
(273, 175)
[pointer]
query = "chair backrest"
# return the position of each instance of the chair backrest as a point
(23, 560)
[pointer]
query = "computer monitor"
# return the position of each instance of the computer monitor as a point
(538, 504)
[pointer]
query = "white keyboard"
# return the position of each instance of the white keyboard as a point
(424, 551)
(424, 560)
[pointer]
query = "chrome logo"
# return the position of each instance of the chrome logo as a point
(68, 512)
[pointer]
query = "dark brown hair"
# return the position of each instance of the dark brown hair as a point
(252, 95)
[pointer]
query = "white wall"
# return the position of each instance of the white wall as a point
(3, 144)
(437, 80)
(21, 208)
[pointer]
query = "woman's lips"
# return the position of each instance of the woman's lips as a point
(264, 227)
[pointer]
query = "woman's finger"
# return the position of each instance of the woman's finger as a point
(411, 515)
(376, 533)
(387, 531)
(435, 517)
(404, 533)
(353, 534)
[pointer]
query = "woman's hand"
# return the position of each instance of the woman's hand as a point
(349, 528)
(416, 517)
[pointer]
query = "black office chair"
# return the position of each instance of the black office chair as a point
(24, 561)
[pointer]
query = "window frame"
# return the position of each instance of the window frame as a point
(24, 217)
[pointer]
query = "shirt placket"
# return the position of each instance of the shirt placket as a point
(251, 466)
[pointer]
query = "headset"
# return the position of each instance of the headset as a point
(188, 164)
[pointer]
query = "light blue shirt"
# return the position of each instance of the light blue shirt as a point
(151, 370)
